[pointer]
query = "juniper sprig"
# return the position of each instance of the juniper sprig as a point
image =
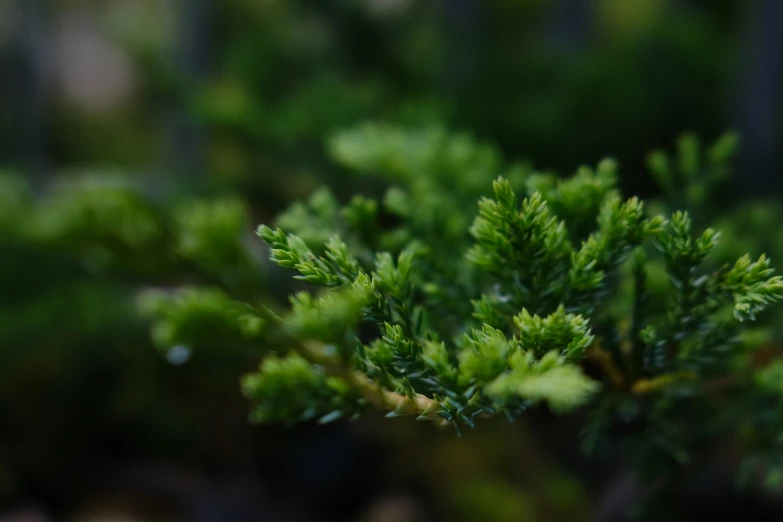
(474, 289)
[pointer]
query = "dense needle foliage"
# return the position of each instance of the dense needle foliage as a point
(473, 289)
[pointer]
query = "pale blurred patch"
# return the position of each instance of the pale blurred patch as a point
(623, 18)
(387, 8)
(89, 70)
(24, 515)
(394, 509)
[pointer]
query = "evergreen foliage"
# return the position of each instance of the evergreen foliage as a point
(93, 241)
(474, 288)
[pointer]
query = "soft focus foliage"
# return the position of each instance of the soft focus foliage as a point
(432, 277)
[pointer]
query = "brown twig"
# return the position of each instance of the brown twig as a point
(604, 360)
(374, 394)
(654, 384)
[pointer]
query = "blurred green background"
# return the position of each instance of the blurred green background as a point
(189, 101)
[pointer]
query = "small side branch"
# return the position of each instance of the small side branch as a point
(374, 394)
(655, 384)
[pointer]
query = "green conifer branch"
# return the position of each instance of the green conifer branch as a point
(475, 289)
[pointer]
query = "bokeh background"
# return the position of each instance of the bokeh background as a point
(235, 98)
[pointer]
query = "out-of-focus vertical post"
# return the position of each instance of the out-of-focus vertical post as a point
(571, 21)
(759, 106)
(191, 62)
(463, 22)
(26, 104)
